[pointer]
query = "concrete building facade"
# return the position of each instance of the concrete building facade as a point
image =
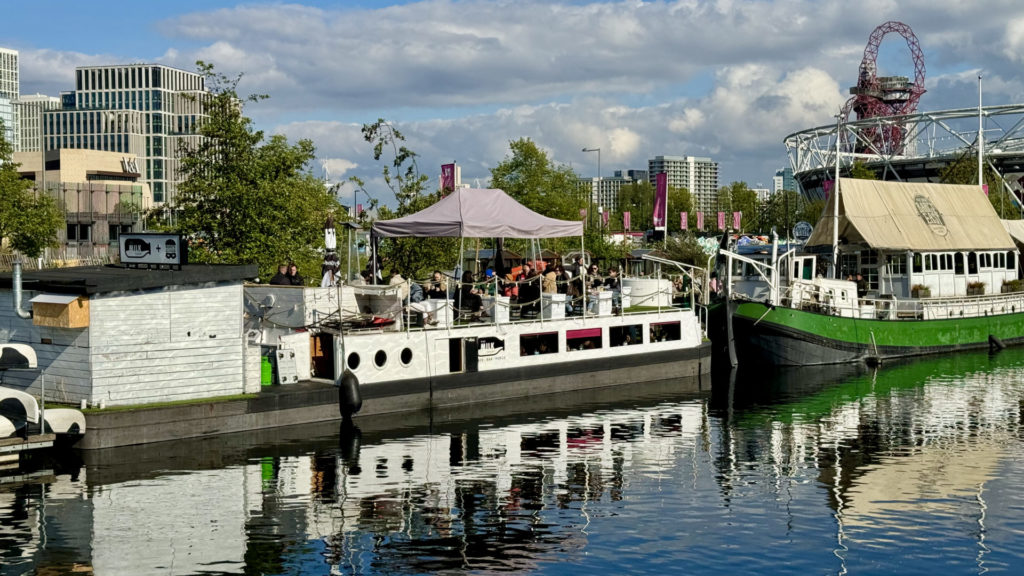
(141, 110)
(29, 110)
(100, 194)
(698, 175)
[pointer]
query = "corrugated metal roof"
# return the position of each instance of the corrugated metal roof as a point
(912, 216)
(112, 278)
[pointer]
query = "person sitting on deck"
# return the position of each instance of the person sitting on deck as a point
(438, 287)
(529, 290)
(469, 297)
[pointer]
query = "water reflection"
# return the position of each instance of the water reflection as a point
(834, 470)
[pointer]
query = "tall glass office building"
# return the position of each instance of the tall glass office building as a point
(10, 84)
(146, 110)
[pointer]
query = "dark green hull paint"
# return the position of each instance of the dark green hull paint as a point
(790, 337)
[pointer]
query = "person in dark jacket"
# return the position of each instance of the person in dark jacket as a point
(281, 278)
(294, 278)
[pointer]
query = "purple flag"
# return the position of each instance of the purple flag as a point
(625, 221)
(700, 221)
(721, 220)
(682, 221)
(660, 213)
(447, 178)
(736, 216)
(827, 185)
(985, 188)
(604, 217)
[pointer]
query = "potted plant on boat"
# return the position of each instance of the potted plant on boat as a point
(1011, 286)
(920, 291)
(975, 288)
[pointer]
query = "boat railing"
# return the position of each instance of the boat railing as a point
(891, 307)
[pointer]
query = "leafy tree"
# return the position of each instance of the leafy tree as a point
(247, 199)
(780, 212)
(529, 176)
(403, 175)
(414, 258)
(737, 197)
(637, 198)
(860, 171)
(28, 220)
(811, 211)
(964, 170)
(679, 200)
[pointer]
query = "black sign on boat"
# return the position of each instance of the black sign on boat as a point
(153, 251)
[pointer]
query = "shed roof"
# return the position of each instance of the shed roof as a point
(912, 216)
(113, 278)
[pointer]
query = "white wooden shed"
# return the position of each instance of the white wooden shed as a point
(131, 336)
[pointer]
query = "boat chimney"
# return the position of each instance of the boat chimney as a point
(16, 280)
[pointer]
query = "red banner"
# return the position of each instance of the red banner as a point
(682, 221)
(625, 221)
(660, 213)
(447, 178)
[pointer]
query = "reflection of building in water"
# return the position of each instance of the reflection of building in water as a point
(907, 441)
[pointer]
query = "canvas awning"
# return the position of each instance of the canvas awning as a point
(477, 213)
(1016, 230)
(912, 216)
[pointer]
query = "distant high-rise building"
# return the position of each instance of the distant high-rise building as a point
(698, 175)
(784, 180)
(10, 84)
(604, 192)
(145, 110)
(29, 110)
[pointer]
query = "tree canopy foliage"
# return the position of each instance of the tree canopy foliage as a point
(245, 198)
(964, 170)
(414, 258)
(28, 220)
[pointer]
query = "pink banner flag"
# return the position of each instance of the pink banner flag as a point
(682, 221)
(985, 188)
(604, 217)
(827, 185)
(736, 217)
(359, 210)
(660, 213)
(721, 220)
(700, 221)
(583, 212)
(447, 178)
(625, 221)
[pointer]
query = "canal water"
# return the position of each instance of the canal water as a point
(914, 468)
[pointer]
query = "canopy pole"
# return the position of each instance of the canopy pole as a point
(835, 204)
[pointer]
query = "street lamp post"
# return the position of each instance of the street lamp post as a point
(590, 203)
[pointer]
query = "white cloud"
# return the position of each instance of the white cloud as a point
(727, 79)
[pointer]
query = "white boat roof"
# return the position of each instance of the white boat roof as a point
(915, 216)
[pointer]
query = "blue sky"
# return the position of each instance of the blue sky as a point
(726, 79)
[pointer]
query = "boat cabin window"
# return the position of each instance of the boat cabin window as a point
(1011, 261)
(584, 339)
(918, 262)
(625, 335)
(897, 265)
(534, 344)
(972, 263)
(958, 263)
(665, 331)
(803, 268)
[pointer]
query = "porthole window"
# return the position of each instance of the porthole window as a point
(406, 356)
(380, 358)
(353, 361)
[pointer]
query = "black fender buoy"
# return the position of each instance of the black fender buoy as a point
(995, 343)
(349, 398)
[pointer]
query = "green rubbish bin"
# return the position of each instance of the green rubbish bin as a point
(266, 371)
